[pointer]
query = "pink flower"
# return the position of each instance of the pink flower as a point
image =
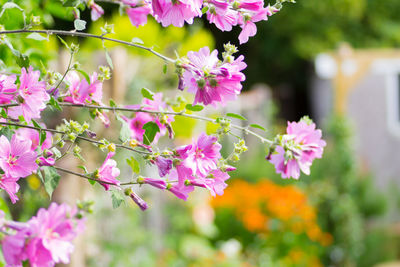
(45, 240)
(176, 12)
(33, 135)
(138, 200)
(158, 183)
(108, 172)
(164, 165)
(80, 92)
(17, 159)
(7, 88)
(202, 156)
(138, 14)
(215, 184)
(33, 96)
(177, 185)
(297, 150)
(210, 80)
(9, 184)
(96, 10)
(224, 20)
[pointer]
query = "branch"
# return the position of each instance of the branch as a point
(89, 35)
(78, 137)
(197, 117)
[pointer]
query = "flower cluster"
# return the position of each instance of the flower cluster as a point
(297, 149)
(223, 13)
(30, 94)
(45, 240)
(213, 81)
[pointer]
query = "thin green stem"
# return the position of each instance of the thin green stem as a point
(89, 35)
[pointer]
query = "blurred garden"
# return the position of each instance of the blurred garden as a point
(344, 213)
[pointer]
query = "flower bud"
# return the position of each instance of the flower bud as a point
(111, 147)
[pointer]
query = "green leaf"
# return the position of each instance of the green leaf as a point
(108, 58)
(125, 133)
(71, 3)
(117, 199)
(112, 103)
(257, 126)
(10, 5)
(3, 113)
(194, 108)
(21, 59)
(236, 116)
(136, 40)
(146, 93)
(79, 24)
(63, 42)
(134, 164)
(51, 179)
(54, 103)
(87, 78)
(37, 37)
(151, 129)
(165, 68)
(204, 9)
(37, 125)
(42, 135)
(6, 132)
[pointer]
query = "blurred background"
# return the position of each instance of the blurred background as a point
(335, 60)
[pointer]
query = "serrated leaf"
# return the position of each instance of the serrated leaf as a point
(38, 37)
(134, 164)
(108, 58)
(254, 125)
(51, 179)
(236, 116)
(79, 24)
(125, 132)
(87, 78)
(151, 129)
(42, 135)
(117, 199)
(194, 108)
(136, 40)
(146, 93)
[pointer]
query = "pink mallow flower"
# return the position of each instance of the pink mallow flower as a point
(108, 172)
(158, 183)
(297, 149)
(32, 96)
(211, 80)
(138, 11)
(9, 184)
(33, 135)
(7, 88)
(215, 182)
(96, 11)
(81, 92)
(45, 239)
(176, 12)
(201, 156)
(16, 158)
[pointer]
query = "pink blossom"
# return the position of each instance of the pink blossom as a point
(7, 88)
(176, 12)
(9, 184)
(159, 183)
(224, 20)
(138, 200)
(81, 92)
(96, 11)
(164, 165)
(33, 135)
(210, 80)
(138, 14)
(108, 172)
(178, 187)
(45, 240)
(202, 155)
(17, 159)
(33, 96)
(297, 150)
